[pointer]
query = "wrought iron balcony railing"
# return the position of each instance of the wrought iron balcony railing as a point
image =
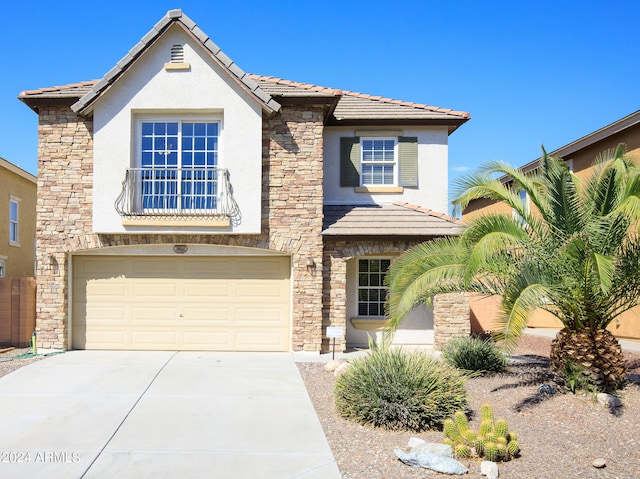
(174, 193)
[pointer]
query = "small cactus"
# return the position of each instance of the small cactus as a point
(491, 451)
(479, 445)
(486, 427)
(451, 431)
(493, 440)
(501, 428)
(469, 436)
(491, 436)
(501, 451)
(462, 451)
(460, 418)
(486, 412)
(513, 447)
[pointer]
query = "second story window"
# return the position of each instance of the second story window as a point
(14, 230)
(378, 162)
(178, 159)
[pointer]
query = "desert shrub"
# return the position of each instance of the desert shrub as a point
(400, 390)
(472, 353)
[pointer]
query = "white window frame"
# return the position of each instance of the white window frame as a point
(381, 287)
(570, 164)
(14, 223)
(180, 119)
(364, 163)
(3, 266)
(526, 202)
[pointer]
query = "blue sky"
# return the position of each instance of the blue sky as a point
(529, 73)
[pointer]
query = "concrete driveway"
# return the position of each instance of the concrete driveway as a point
(140, 414)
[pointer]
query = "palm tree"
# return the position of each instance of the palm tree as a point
(575, 254)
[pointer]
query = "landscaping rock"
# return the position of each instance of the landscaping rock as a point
(341, 368)
(332, 365)
(608, 400)
(633, 378)
(431, 461)
(489, 469)
(599, 463)
(433, 448)
(547, 389)
(414, 441)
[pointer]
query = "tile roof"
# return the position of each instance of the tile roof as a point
(348, 107)
(397, 219)
(359, 106)
(178, 18)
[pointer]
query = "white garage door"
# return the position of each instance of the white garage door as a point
(181, 303)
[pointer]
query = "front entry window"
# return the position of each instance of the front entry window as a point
(372, 291)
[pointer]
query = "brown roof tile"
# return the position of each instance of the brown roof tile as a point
(397, 219)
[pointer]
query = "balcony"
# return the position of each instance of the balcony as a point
(177, 197)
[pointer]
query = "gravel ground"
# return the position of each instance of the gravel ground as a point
(15, 359)
(560, 434)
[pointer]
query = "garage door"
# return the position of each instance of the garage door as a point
(181, 303)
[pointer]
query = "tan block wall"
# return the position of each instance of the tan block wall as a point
(450, 317)
(291, 208)
(17, 311)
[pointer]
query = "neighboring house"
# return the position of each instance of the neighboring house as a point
(579, 155)
(185, 204)
(17, 221)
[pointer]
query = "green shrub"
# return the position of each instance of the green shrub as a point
(474, 354)
(400, 390)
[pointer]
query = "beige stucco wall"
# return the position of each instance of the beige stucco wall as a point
(20, 186)
(432, 187)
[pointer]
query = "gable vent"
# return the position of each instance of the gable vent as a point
(177, 53)
(177, 59)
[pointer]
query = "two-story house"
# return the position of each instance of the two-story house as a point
(18, 221)
(186, 204)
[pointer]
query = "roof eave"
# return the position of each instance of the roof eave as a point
(452, 124)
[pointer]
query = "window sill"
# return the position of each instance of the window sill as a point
(177, 66)
(368, 323)
(379, 189)
(13, 243)
(213, 223)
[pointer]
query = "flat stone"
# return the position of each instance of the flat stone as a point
(489, 469)
(433, 448)
(599, 463)
(608, 400)
(415, 441)
(332, 365)
(633, 378)
(431, 461)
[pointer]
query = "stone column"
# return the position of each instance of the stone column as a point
(451, 317)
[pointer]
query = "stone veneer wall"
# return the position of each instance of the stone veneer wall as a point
(292, 215)
(451, 317)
